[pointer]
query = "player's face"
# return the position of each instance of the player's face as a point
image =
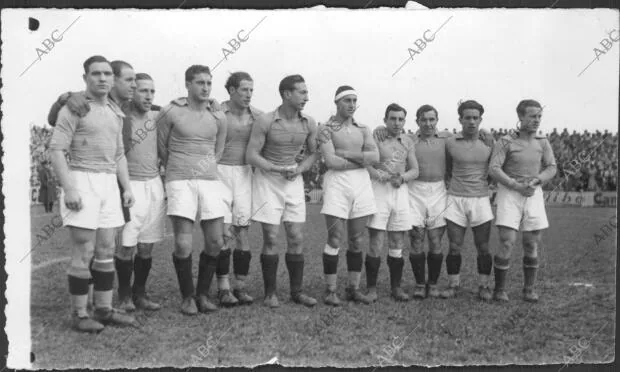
(144, 95)
(530, 121)
(394, 122)
(125, 84)
(199, 88)
(470, 121)
(99, 79)
(346, 106)
(428, 123)
(298, 96)
(243, 95)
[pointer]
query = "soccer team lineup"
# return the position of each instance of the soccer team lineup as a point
(126, 166)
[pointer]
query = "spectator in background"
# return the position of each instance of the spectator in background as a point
(47, 190)
(587, 161)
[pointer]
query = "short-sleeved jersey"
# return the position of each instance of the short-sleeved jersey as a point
(283, 144)
(186, 140)
(142, 161)
(238, 135)
(94, 142)
(470, 166)
(431, 155)
(356, 137)
(393, 154)
(522, 160)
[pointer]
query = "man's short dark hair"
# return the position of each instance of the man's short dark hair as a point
(394, 107)
(235, 79)
(470, 105)
(524, 104)
(424, 109)
(94, 59)
(194, 70)
(118, 66)
(288, 83)
(143, 76)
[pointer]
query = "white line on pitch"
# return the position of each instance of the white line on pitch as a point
(50, 262)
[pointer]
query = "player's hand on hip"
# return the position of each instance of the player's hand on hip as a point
(128, 199)
(73, 201)
(78, 104)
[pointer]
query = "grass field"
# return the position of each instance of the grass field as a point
(572, 321)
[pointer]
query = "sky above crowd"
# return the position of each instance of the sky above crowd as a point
(496, 57)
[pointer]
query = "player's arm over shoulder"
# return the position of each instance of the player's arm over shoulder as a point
(311, 141)
(257, 140)
(163, 123)
(66, 124)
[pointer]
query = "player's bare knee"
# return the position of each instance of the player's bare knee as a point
(374, 251)
(269, 249)
(356, 241)
(270, 237)
(104, 253)
(482, 247)
(213, 244)
(145, 250)
(182, 245)
(455, 248)
(79, 270)
(530, 248)
(295, 242)
(334, 238)
(125, 253)
(416, 234)
(396, 240)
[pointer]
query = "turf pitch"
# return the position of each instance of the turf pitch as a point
(574, 321)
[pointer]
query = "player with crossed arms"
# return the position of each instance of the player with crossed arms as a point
(347, 148)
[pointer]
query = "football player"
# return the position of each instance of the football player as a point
(521, 164)
(467, 163)
(146, 226)
(236, 174)
(347, 147)
(277, 191)
(91, 206)
(190, 142)
(397, 167)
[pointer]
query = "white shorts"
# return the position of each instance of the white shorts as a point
(393, 211)
(208, 198)
(276, 199)
(238, 181)
(348, 194)
(519, 212)
(147, 214)
(473, 210)
(428, 201)
(101, 201)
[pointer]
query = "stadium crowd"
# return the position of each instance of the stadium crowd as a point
(576, 170)
(599, 172)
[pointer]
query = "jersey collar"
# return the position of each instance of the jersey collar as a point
(226, 108)
(276, 115)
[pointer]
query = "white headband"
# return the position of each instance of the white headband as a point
(344, 93)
